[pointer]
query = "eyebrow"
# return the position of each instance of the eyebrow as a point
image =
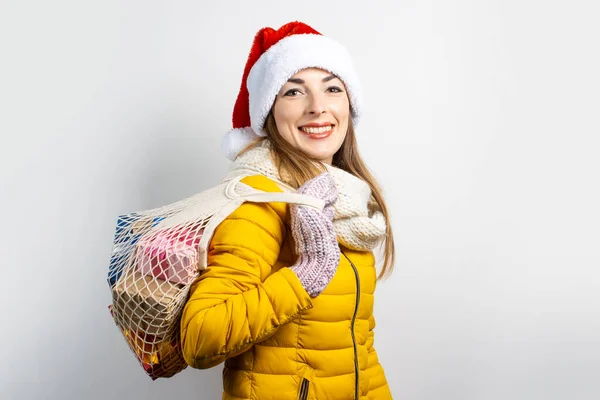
(301, 81)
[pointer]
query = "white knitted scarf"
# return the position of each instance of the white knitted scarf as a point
(359, 223)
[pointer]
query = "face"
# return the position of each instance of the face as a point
(311, 113)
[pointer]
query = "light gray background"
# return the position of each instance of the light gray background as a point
(482, 126)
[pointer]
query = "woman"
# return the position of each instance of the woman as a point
(287, 298)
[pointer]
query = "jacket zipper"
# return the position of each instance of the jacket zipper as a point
(352, 326)
(303, 390)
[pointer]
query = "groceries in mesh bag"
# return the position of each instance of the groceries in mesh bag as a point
(151, 286)
(158, 254)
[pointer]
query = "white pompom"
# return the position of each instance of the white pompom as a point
(235, 140)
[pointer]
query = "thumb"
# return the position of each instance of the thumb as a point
(322, 186)
(329, 212)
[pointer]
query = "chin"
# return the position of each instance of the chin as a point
(319, 149)
(319, 154)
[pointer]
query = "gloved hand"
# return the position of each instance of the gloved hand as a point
(316, 243)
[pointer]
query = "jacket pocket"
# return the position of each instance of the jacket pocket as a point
(304, 389)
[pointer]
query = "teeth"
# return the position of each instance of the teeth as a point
(312, 130)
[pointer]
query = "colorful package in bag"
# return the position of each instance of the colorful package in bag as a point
(170, 360)
(151, 305)
(158, 254)
(170, 254)
(128, 231)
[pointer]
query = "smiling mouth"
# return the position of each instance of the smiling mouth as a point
(313, 130)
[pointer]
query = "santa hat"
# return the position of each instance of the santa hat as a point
(276, 55)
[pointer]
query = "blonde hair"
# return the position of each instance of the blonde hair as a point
(295, 168)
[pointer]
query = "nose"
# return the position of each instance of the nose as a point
(316, 104)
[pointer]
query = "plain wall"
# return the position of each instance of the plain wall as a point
(481, 125)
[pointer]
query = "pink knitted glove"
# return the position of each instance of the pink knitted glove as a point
(316, 243)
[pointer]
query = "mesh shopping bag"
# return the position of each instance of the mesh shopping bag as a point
(157, 255)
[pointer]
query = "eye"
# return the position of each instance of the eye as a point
(335, 89)
(291, 91)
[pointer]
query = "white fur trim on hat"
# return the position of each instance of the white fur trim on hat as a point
(290, 55)
(235, 140)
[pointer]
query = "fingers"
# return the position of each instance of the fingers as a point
(301, 214)
(329, 212)
(322, 186)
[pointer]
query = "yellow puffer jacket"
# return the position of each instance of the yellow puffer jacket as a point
(249, 310)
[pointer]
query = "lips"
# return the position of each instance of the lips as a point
(317, 132)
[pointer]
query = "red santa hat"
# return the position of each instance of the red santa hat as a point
(276, 55)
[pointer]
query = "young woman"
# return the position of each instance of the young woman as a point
(287, 298)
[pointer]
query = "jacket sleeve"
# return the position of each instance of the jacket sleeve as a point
(237, 301)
